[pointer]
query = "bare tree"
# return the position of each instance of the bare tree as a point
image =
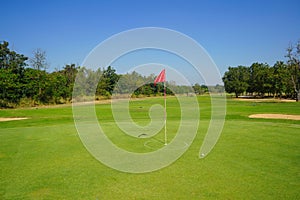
(39, 60)
(293, 55)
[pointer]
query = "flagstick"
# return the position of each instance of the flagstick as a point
(165, 95)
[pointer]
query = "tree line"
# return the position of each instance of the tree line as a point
(260, 79)
(25, 81)
(32, 85)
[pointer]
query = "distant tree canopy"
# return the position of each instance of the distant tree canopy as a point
(236, 79)
(10, 59)
(12, 71)
(261, 79)
(30, 84)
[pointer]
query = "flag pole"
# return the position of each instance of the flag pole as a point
(165, 97)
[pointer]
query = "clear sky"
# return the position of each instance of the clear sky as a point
(232, 32)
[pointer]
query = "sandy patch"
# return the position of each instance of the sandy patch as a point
(275, 116)
(265, 100)
(2, 119)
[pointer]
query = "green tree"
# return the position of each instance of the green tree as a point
(10, 87)
(236, 80)
(12, 66)
(198, 89)
(146, 89)
(31, 84)
(57, 89)
(280, 78)
(107, 82)
(69, 72)
(11, 60)
(259, 81)
(129, 82)
(204, 88)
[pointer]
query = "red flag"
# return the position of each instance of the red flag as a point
(161, 77)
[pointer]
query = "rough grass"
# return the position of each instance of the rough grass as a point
(43, 158)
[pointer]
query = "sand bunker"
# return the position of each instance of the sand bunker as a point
(275, 116)
(264, 100)
(11, 119)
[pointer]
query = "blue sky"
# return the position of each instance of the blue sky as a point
(232, 32)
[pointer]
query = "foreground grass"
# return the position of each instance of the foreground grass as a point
(43, 157)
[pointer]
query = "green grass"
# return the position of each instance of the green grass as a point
(43, 158)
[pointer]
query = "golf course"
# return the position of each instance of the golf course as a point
(150, 100)
(42, 156)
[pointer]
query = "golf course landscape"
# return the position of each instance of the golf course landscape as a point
(42, 157)
(150, 100)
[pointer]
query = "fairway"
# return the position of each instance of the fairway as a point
(42, 157)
